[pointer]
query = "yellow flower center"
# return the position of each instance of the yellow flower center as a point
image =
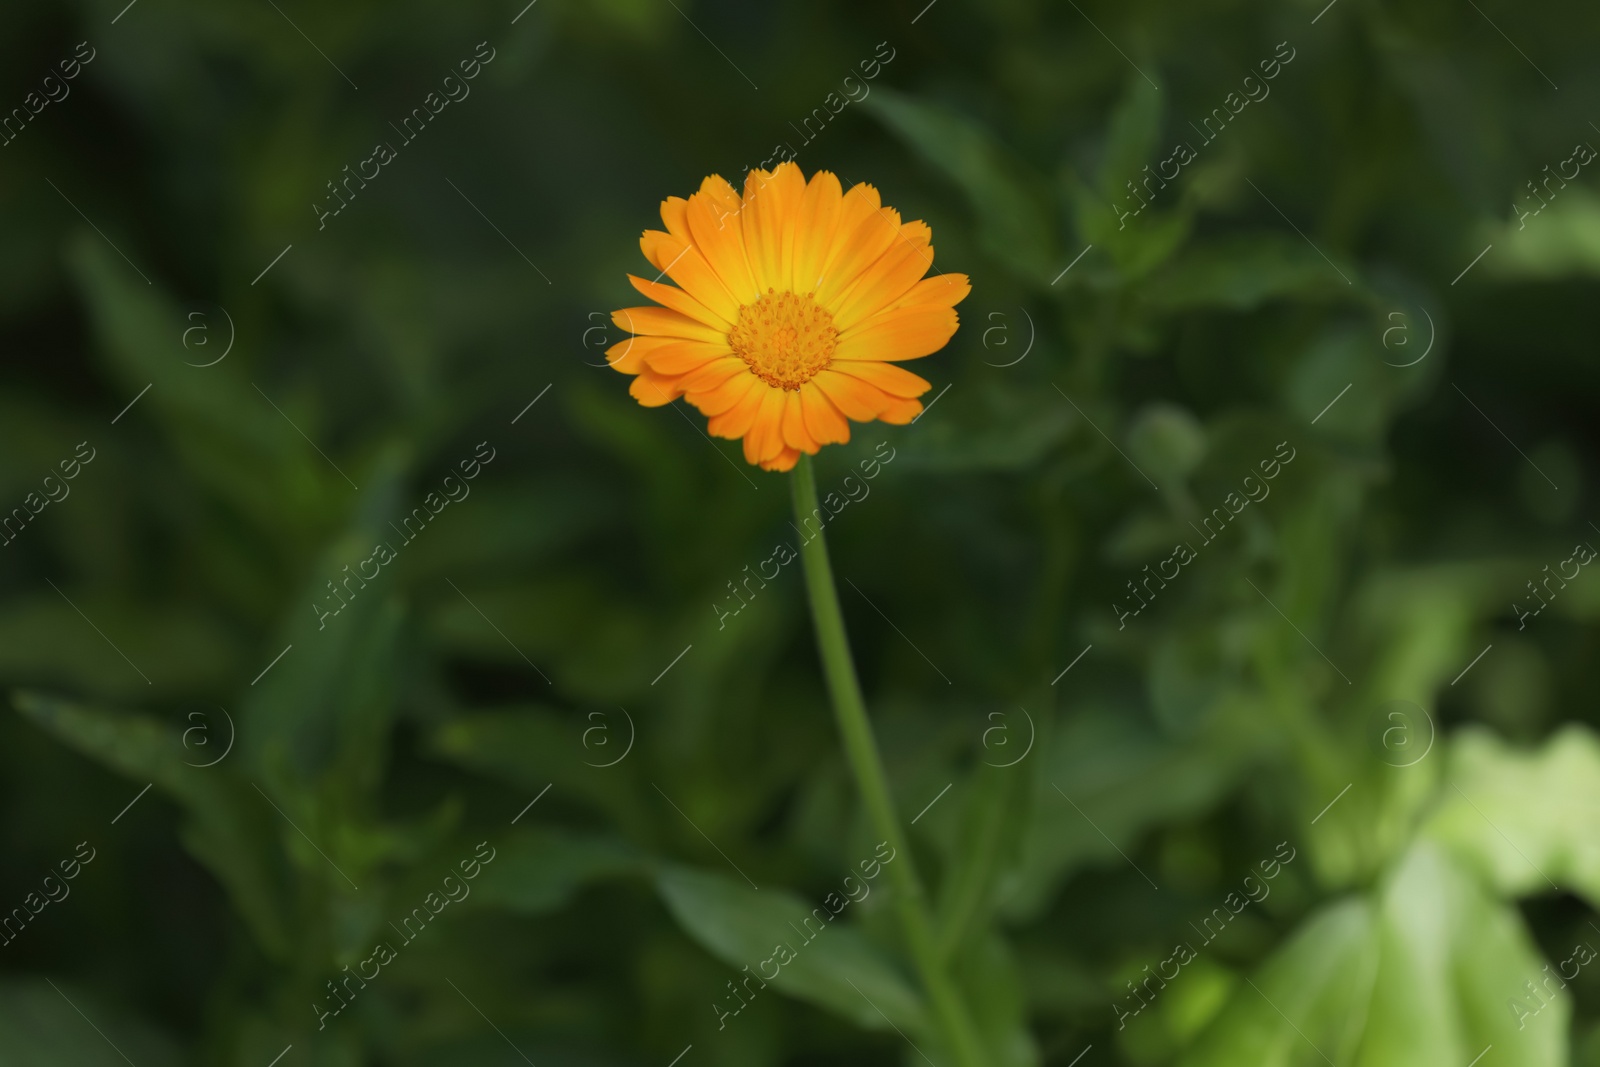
(785, 338)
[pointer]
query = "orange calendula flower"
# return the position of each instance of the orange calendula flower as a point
(792, 306)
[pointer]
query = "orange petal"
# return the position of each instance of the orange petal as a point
(768, 426)
(857, 247)
(672, 297)
(855, 207)
(901, 333)
(675, 214)
(770, 204)
(890, 278)
(649, 244)
(736, 421)
(680, 260)
(683, 357)
(716, 399)
(712, 375)
(887, 377)
(765, 439)
(944, 290)
(815, 225)
(722, 193)
(785, 460)
(825, 423)
(719, 234)
(795, 434)
(664, 322)
(901, 412)
(852, 396)
(629, 356)
(653, 391)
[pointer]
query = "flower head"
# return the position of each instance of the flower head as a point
(792, 306)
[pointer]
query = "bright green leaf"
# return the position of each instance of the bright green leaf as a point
(834, 967)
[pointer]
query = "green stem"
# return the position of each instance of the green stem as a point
(850, 712)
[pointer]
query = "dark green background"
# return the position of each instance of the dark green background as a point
(987, 557)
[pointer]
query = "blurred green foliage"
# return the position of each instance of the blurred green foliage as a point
(1302, 682)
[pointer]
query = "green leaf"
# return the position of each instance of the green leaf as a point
(512, 523)
(1131, 138)
(1107, 780)
(1454, 961)
(41, 1027)
(322, 712)
(1241, 272)
(532, 748)
(998, 429)
(1167, 440)
(539, 870)
(992, 822)
(1524, 820)
(228, 827)
(836, 968)
(1303, 1001)
(217, 422)
(988, 974)
(1563, 243)
(1013, 223)
(176, 648)
(1110, 216)
(1137, 244)
(1427, 972)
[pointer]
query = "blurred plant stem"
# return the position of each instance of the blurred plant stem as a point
(850, 711)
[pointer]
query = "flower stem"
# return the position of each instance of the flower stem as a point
(861, 748)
